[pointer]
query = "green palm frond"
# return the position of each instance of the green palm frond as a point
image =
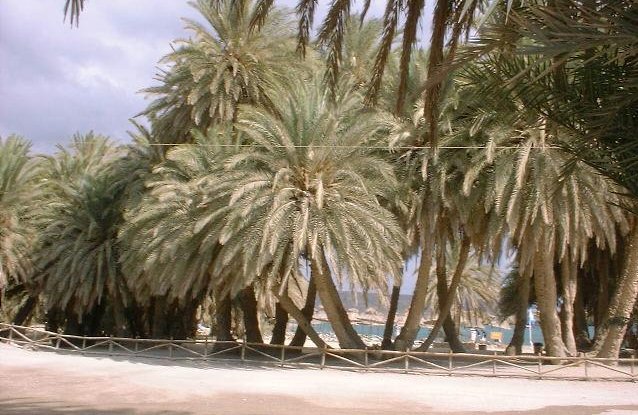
(224, 64)
(596, 50)
(172, 232)
(78, 215)
(18, 177)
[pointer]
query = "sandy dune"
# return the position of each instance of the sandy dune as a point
(52, 383)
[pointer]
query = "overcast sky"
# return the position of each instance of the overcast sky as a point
(56, 80)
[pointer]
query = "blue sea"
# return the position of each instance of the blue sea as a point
(377, 331)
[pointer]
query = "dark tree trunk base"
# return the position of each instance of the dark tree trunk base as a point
(281, 321)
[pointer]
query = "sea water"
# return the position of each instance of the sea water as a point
(376, 330)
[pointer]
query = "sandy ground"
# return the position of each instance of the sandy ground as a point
(52, 383)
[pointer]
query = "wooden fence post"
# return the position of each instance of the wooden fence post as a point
(494, 364)
(323, 357)
(586, 366)
(406, 363)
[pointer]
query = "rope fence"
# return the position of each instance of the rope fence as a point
(207, 349)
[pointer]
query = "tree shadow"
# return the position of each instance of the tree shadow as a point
(30, 406)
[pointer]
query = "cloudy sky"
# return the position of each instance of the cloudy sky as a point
(56, 80)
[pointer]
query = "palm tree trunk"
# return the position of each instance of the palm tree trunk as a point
(332, 304)
(308, 311)
(94, 320)
(223, 318)
(25, 311)
(183, 318)
(446, 296)
(159, 327)
(602, 299)
(386, 344)
(72, 325)
(281, 322)
(568, 278)
(410, 329)
(581, 332)
(437, 44)
(622, 303)
(451, 331)
(518, 337)
(249, 311)
(53, 317)
(303, 323)
(546, 297)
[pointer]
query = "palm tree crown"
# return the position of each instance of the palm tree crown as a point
(223, 65)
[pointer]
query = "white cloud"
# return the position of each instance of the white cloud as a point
(56, 80)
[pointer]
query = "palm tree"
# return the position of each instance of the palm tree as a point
(552, 56)
(552, 213)
(18, 176)
(170, 250)
(17, 173)
(224, 64)
(310, 185)
(441, 214)
(515, 300)
(77, 254)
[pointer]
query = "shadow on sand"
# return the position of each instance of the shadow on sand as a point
(28, 406)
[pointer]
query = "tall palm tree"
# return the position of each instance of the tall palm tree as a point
(77, 252)
(310, 184)
(18, 177)
(169, 250)
(514, 301)
(224, 64)
(18, 172)
(551, 213)
(572, 64)
(442, 214)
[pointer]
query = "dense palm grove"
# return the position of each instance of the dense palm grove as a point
(277, 171)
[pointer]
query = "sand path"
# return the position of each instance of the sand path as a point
(52, 383)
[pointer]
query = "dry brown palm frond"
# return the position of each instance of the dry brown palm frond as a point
(432, 92)
(306, 12)
(331, 36)
(260, 13)
(364, 11)
(73, 8)
(415, 8)
(390, 23)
